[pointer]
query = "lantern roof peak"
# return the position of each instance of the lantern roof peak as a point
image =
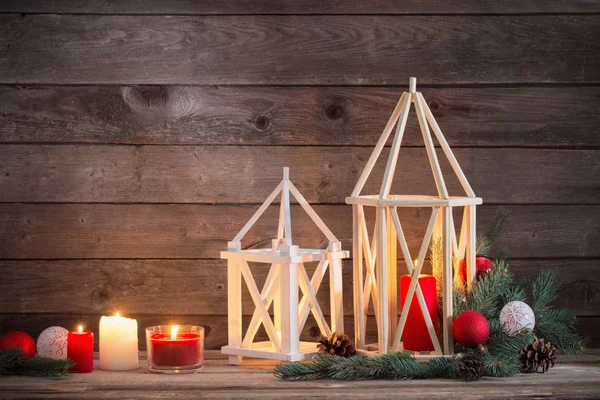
(398, 120)
(286, 190)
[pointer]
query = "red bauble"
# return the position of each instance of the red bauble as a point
(471, 329)
(482, 265)
(19, 340)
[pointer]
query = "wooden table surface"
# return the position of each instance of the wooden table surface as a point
(571, 378)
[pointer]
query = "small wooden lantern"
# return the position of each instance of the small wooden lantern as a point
(287, 275)
(380, 280)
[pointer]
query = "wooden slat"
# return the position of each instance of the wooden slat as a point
(201, 231)
(216, 7)
(589, 328)
(196, 174)
(518, 116)
(261, 49)
(136, 286)
(215, 326)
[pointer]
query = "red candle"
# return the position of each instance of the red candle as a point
(416, 336)
(176, 349)
(80, 349)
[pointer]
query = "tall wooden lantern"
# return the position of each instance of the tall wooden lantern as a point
(375, 260)
(286, 278)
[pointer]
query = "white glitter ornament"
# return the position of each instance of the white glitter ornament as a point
(516, 316)
(52, 343)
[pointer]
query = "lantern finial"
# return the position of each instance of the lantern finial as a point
(412, 84)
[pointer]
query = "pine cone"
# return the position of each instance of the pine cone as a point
(538, 354)
(338, 344)
(471, 366)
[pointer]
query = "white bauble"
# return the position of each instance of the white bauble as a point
(52, 343)
(516, 316)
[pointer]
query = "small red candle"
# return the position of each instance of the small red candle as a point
(176, 349)
(416, 336)
(80, 349)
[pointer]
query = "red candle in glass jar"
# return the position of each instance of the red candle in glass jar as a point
(416, 336)
(176, 349)
(80, 349)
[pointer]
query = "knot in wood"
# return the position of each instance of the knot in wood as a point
(334, 111)
(434, 105)
(262, 122)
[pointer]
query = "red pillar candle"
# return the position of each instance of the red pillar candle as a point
(416, 336)
(80, 349)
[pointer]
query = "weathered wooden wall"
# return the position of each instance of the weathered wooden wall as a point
(137, 137)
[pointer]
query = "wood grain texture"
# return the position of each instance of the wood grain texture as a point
(213, 174)
(136, 286)
(293, 50)
(55, 231)
(215, 7)
(215, 326)
(570, 378)
(589, 328)
(501, 117)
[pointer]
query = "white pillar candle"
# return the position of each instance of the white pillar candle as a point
(118, 343)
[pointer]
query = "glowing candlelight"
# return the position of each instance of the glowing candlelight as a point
(174, 330)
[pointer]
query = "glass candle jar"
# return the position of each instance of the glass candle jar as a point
(175, 349)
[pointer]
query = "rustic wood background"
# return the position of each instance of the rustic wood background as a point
(137, 137)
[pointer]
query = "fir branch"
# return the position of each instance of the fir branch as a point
(545, 287)
(555, 326)
(503, 346)
(499, 367)
(8, 359)
(12, 362)
(392, 366)
(490, 289)
(558, 328)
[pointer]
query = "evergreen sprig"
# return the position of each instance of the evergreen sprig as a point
(393, 366)
(12, 362)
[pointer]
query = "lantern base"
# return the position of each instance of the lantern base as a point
(307, 350)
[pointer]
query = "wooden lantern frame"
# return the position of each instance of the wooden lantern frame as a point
(287, 276)
(380, 280)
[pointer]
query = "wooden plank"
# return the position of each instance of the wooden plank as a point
(589, 328)
(215, 325)
(572, 378)
(294, 115)
(136, 286)
(216, 7)
(201, 231)
(259, 49)
(195, 174)
(265, 387)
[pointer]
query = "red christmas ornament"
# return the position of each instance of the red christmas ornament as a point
(482, 265)
(471, 329)
(19, 340)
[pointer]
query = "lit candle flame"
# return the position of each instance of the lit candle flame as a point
(416, 262)
(174, 330)
(117, 314)
(80, 329)
(279, 335)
